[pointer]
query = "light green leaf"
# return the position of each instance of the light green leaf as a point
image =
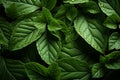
(50, 4)
(36, 71)
(110, 7)
(76, 1)
(13, 69)
(26, 32)
(98, 70)
(114, 41)
(17, 8)
(92, 32)
(74, 69)
(48, 49)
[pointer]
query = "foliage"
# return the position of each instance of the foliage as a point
(59, 39)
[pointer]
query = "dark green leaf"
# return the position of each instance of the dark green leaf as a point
(74, 69)
(91, 7)
(54, 71)
(36, 71)
(12, 69)
(71, 13)
(50, 4)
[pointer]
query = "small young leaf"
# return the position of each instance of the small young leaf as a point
(50, 4)
(98, 70)
(111, 22)
(114, 41)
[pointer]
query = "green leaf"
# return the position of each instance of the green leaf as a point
(3, 39)
(48, 48)
(26, 32)
(54, 71)
(98, 70)
(76, 1)
(61, 12)
(110, 7)
(71, 13)
(74, 69)
(113, 65)
(50, 4)
(112, 22)
(13, 69)
(36, 71)
(111, 60)
(91, 7)
(92, 32)
(114, 41)
(17, 8)
(5, 31)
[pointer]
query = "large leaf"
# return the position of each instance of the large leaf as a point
(17, 8)
(76, 1)
(74, 69)
(110, 7)
(48, 49)
(26, 32)
(114, 41)
(12, 69)
(92, 32)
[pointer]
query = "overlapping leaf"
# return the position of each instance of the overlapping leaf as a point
(12, 69)
(74, 69)
(26, 32)
(17, 8)
(92, 32)
(114, 41)
(5, 31)
(50, 4)
(98, 70)
(48, 49)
